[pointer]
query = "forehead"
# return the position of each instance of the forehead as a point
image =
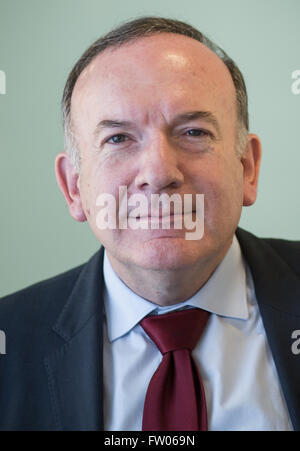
(162, 69)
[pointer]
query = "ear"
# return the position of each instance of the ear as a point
(251, 163)
(67, 178)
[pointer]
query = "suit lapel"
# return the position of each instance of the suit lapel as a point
(277, 290)
(75, 369)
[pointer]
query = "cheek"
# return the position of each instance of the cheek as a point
(222, 186)
(99, 180)
(89, 187)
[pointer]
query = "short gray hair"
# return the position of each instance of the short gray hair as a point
(138, 28)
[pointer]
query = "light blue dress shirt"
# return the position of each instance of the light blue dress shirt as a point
(238, 372)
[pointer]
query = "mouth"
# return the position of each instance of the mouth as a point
(162, 216)
(172, 220)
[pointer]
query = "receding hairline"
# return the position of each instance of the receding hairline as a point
(107, 52)
(139, 39)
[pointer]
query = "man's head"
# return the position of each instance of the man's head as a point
(159, 112)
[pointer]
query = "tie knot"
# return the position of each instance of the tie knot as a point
(177, 330)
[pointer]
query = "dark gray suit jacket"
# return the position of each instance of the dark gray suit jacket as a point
(51, 375)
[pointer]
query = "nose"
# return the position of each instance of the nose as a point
(158, 167)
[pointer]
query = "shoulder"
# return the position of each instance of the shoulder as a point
(45, 297)
(287, 250)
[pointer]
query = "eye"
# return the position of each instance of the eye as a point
(197, 132)
(117, 139)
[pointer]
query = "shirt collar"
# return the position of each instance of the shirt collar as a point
(223, 294)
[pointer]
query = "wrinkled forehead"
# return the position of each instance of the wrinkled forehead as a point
(164, 63)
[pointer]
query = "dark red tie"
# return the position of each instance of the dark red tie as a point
(175, 399)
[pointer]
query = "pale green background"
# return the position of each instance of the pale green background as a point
(40, 42)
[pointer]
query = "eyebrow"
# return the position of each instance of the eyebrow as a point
(194, 115)
(108, 123)
(179, 119)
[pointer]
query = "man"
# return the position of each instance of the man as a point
(156, 108)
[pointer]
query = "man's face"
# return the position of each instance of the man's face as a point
(133, 111)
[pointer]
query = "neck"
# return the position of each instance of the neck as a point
(167, 287)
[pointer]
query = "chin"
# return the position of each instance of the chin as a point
(168, 253)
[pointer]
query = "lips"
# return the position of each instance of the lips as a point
(172, 221)
(163, 214)
(171, 215)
